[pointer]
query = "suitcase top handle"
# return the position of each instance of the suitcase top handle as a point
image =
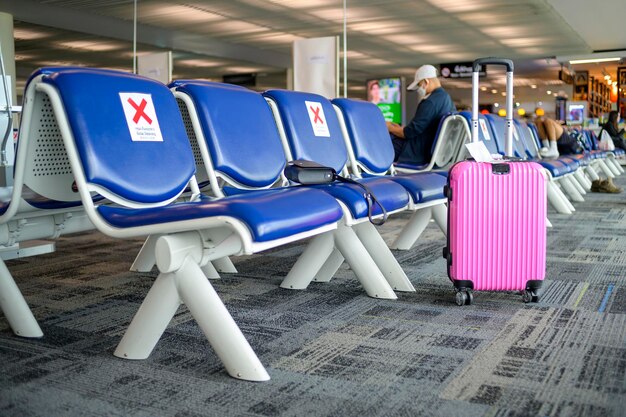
(492, 61)
(508, 142)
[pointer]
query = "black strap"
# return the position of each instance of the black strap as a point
(370, 199)
(306, 172)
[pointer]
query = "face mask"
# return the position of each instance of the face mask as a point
(421, 93)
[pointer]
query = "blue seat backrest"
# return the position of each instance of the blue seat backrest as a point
(498, 127)
(526, 138)
(299, 113)
(177, 83)
(240, 131)
(368, 134)
(535, 132)
(485, 133)
(592, 139)
(155, 166)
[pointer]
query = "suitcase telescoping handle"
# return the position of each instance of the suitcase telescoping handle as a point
(508, 144)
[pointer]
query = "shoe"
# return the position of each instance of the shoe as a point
(607, 186)
(595, 186)
(549, 153)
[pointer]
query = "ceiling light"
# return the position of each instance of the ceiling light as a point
(592, 60)
(494, 91)
(483, 88)
(607, 77)
(549, 92)
(496, 105)
(503, 93)
(533, 86)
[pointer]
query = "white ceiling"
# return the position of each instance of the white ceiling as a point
(385, 37)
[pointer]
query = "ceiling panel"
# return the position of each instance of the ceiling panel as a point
(213, 37)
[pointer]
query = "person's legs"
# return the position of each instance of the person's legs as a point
(541, 130)
(398, 147)
(552, 131)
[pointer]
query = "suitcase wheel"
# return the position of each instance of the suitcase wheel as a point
(464, 297)
(530, 296)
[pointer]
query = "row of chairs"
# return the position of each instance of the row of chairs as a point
(197, 169)
(122, 154)
(569, 176)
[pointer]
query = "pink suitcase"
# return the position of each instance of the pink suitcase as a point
(496, 220)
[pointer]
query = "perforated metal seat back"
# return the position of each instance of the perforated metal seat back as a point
(128, 133)
(239, 130)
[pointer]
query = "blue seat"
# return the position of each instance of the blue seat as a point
(125, 140)
(452, 133)
(526, 142)
(485, 133)
(327, 150)
(245, 154)
(371, 154)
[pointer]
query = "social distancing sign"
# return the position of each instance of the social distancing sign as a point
(483, 127)
(141, 117)
(318, 120)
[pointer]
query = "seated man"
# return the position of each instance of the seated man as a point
(413, 143)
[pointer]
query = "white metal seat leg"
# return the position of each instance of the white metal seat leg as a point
(151, 319)
(440, 214)
(556, 199)
(217, 324)
(182, 281)
(330, 267)
(15, 308)
(591, 172)
(382, 256)
(605, 168)
(571, 190)
(362, 264)
(613, 165)
(309, 262)
(224, 265)
(210, 272)
(413, 229)
(584, 183)
(145, 260)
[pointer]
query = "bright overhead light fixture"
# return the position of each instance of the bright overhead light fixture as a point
(592, 60)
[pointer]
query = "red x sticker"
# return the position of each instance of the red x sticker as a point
(317, 118)
(141, 117)
(140, 110)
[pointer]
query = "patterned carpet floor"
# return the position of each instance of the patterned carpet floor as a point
(331, 350)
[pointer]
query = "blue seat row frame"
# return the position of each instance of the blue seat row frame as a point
(142, 182)
(247, 157)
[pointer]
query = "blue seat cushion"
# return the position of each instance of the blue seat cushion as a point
(390, 194)
(422, 187)
(580, 159)
(270, 214)
(555, 167)
(409, 166)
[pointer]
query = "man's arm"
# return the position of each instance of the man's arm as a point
(395, 129)
(423, 116)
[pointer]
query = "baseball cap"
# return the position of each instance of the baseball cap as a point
(423, 72)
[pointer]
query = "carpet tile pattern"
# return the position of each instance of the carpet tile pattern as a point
(331, 350)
